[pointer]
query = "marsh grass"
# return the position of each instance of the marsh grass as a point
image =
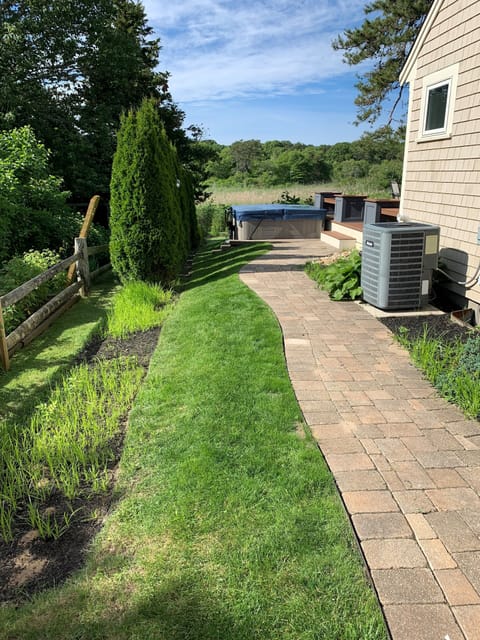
(306, 192)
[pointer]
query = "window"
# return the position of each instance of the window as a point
(437, 102)
(438, 98)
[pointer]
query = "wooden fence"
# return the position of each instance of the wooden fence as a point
(43, 317)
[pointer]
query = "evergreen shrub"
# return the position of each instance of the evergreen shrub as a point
(148, 230)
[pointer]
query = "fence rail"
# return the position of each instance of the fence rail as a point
(35, 324)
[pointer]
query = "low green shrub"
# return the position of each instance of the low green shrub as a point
(469, 359)
(20, 269)
(452, 367)
(341, 279)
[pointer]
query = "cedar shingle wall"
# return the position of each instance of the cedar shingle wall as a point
(442, 182)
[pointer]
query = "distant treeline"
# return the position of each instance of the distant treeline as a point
(377, 155)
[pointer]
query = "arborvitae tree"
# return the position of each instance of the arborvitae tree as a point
(145, 212)
(188, 186)
(122, 213)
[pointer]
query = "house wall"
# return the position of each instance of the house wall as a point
(441, 182)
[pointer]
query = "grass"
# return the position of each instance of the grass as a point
(38, 366)
(64, 446)
(228, 524)
(138, 306)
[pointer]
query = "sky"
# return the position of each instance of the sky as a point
(260, 69)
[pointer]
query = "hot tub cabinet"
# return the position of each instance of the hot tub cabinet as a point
(277, 221)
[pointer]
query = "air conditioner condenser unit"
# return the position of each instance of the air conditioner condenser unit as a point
(398, 259)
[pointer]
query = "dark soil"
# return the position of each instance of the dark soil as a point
(30, 564)
(438, 326)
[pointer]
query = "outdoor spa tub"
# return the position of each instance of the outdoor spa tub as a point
(274, 221)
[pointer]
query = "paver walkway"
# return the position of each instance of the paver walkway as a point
(407, 463)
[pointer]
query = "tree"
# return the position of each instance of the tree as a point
(69, 68)
(33, 210)
(339, 152)
(382, 144)
(385, 39)
(245, 153)
(148, 241)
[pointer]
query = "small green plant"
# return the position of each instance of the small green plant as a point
(138, 306)
(47, 524)
(452, 367)
(341, 279)
(288, 198)
(65, 445)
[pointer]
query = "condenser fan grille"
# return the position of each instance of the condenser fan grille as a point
(393, 265)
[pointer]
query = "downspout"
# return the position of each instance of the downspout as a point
(410, 82)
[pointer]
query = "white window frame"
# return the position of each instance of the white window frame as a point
(449, 77)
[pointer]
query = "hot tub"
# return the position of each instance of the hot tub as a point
(277, 221)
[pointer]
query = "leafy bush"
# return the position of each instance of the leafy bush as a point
(288, 198)
(33, 210)
(341, 279)
(351, 169)
(20, 269)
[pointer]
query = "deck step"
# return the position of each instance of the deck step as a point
(351, 229)
(338, 240)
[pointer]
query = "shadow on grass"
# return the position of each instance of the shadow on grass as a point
(179, 608)
(209, 267)
(37, 367)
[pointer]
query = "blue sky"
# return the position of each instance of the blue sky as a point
(261, 69)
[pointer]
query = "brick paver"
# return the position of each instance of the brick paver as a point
(406, 462)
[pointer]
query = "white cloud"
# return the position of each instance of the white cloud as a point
(218, 49)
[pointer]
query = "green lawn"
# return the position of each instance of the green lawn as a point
(39, 365)
(228, 525)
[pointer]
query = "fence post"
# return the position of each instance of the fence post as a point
(92, 207)
(3, 342)
(81, 265)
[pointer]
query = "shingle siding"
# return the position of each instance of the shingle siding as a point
(442, 177)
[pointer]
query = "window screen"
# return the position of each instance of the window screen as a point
(437, 107)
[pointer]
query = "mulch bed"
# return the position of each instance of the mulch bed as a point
(438, 326)
(30, 564)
